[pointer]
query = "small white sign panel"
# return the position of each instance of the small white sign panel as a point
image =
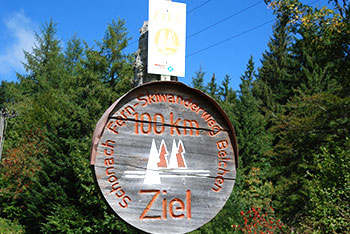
(166, 38)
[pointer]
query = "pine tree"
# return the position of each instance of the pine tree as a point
(211, 88)
(117, 65)
(45, 62)
(65, 93)
(198, 80)
(314, 121)
(226, 93)
(276, 79)
(254, 141)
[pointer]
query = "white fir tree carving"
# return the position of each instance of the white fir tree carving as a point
(177, 159)
(152, 173)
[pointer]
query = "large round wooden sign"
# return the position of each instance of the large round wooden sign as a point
(165, 157)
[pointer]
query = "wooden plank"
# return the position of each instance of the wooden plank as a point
(165, 157)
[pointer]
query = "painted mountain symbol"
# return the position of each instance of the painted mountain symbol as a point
(158, 165)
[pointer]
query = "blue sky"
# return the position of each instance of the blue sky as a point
(247, 29)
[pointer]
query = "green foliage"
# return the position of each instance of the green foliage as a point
(253, 139)
(303, 94)
(10, 227)
(329, 191)
(63, 93)
(226, 93)
(291, 116)
(276, 70)
(312, 123)
(212, 88)
(20, 164)
(198, 80)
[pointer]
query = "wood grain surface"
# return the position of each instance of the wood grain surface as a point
(165, 157)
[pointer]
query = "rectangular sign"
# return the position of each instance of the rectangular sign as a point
(166, 38)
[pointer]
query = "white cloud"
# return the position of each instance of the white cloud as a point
(21, 31)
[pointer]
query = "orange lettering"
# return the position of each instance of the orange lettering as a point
(211, 123)
(125, 205)
(108, 143)
(174, 125)
(155, 124)
(109, 173)
(139, 97)
(219, 180)
(178, 209)
(127, 110)
(112, 129)
(109, 162)
(224, 171)
(206, 116)
(112, 178)
(149, 128)
(162, 97)
(217, 189)
(194, 107)
(181, 207)
(148, 207)
(187, 103)
(191, 124)
(222, 154)
(199, 109)
(188, 204)
(179, 99)
(222, 162)
(222, 144)
(164, 206)
(115, 189)
(108, 154)
(120, 195)
(151, 98)
(171, 98)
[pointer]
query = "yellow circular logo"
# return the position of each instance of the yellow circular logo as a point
(167, 41)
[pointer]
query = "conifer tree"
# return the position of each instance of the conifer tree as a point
(198, 80)
(65, 93)
(117, 65)
(254, 141)
(314, 123)
(276, 79)
(211, 88)
(226, 93)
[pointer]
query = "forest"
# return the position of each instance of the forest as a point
(291, 116)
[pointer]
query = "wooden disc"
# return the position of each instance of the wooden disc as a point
(165, 157)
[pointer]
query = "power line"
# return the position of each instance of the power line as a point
(313, 2)
(230, 38)
(220, 21)
(188, 12)
(133, 42)
(224, 19)
(237, 35)
(195, 8)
